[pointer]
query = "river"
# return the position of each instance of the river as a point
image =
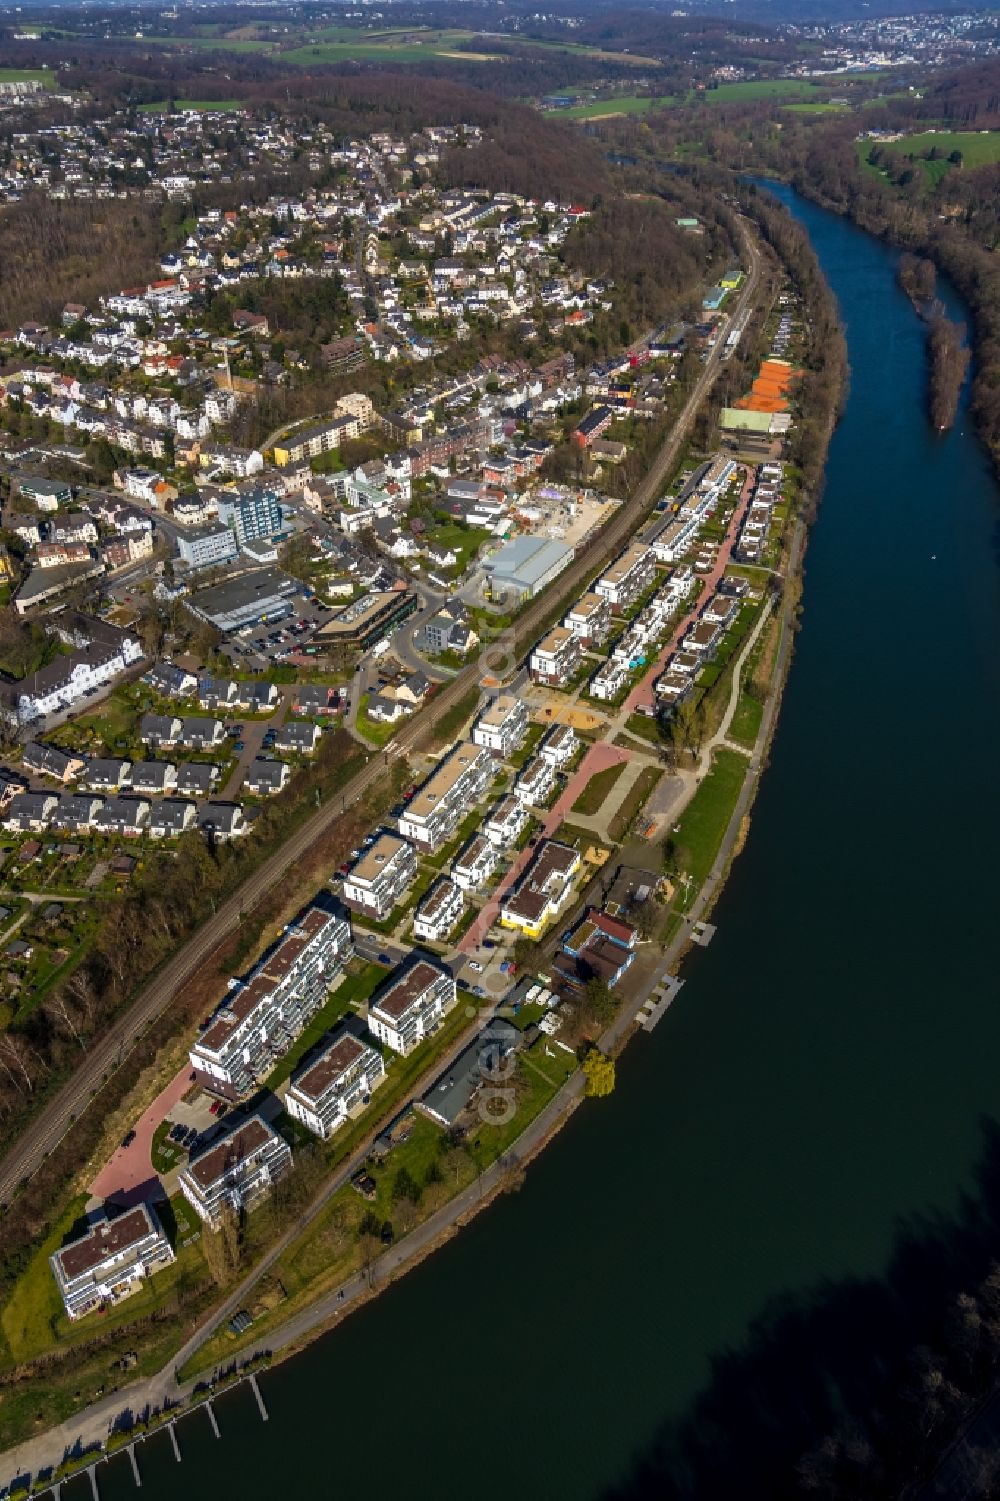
(801, 1160)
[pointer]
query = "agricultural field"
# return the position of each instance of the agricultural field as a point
(628, 104)
(775, 89)
(202, 106)
(978, 148)
(28, 75)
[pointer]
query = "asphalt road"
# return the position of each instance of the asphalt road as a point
(108, 1054)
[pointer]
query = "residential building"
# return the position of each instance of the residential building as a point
(474, 863)
(556, 657)
(110, 1260)
(252, 514)
(627, 578)
(590, 619)
(107, 774)
(63, 683)
(267, 777)
(502, 725)
(30, 812)
(157, 730)
(49, 761)
(207, 546)
(535, 782)
(435, 812)
(481, 1066)
(323, 1094)
(601, 946)
(542, 890)
(233, 1174)
(261, 1016)
(172, 816)
(221, 822)
(170, 681)
(559, 745)
(159, 777)
(439, 911)
(122, 815)
(77, 812)
(198, 733)
(298, 737)
(410, 1005)
(506, 822)
(381, 877)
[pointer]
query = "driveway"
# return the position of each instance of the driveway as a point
(129, 1176)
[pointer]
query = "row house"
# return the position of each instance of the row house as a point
(556, 658)
(435, 812)
(502, 725)
(49, 761)
(589, 619)
(322, 1095)
(171, 681)
(110, 1260)
(234, 1174)
(411, 1005)
(171, 817)
(381, 877)
(30, 812)
(627, 578)
(262, 1015)
(474, 863)
(439, 911)
(123, 815)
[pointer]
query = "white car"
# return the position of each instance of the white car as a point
(475, 965)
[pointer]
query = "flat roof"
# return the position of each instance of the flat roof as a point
(256, 587)
(440, 783)
(528, 558)
(377, 857)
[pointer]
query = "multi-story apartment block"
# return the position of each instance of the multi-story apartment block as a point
(502, 725)
(381, 877)
(535, 782)
(110, 1260)
(252, 514)
(590, 619)
(506, 822)
(474, 862)
(556, 657)
(542, 890)
(559, 746)
(410, 1005)
(262, 1015)
(627, 578)
(236, 1171)
(437, 809)
(323, 1094)
(439, 911)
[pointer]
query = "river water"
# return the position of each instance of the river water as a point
(800, 1163)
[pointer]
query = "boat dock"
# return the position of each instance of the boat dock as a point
(661, 998)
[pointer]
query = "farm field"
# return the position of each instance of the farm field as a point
(629, 104)
(27, 75)
(219, 106)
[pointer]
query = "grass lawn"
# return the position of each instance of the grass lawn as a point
(631, 104)
(595, 794)
(28, 1319)
(639, 794)
(449, 724)
(352, 989)
(760, 88)
(706, 818)
(374, 731)
(646, 727)
(463, 540)
(26, 75)
(746, 720)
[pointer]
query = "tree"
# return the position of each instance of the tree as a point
(600, 1073)
(405, 1186)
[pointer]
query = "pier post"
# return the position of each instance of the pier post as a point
(173, 1439)
(260, 1400)
(211, 1418)
(135, 1464)
(92, 1472)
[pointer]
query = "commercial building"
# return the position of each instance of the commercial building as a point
(381, 877)
(524, 567)
(234, 1173)
(556, 657)
(439, 911)
(542, 890)
(323, 1094)
(262, 1015)
(261, 594)
(110, 1260)
(435, 812)
(410, 1005)
(367, 619)
(502, 725)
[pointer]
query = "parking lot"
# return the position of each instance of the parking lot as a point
(277, 640)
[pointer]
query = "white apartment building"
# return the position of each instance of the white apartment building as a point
(381, 877)
(67, 680)
(542, 889)
(110, 1260)
(502, 725)
(437, 809)
(590, 619)
(631, 573)
(262, 1015)
(474, 863)
(506, 822)
(439, 911)
(556, 657)
(410, 1005)
(236, 1171)
(323, 1094)
(559, 746)
(609, 679)
(535, 782)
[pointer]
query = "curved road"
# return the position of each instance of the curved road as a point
(108, 1053)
